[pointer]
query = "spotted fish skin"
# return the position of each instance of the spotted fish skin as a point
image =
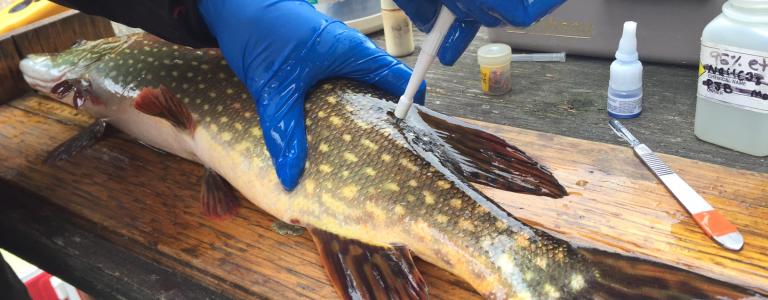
(364, 178)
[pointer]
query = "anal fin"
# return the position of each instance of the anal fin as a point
(217, 196)
(81, 141)
(161, 103)
(362, 271)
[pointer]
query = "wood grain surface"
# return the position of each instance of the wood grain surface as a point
(147, 202)
(11, 83)
(60, 32)
(66, 245)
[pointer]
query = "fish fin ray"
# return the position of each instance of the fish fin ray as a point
(217, 196)
(484, 158)
(623, 277)
(362, 271)
(76, 144)
(161, 103)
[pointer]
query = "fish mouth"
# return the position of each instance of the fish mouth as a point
(40, 74)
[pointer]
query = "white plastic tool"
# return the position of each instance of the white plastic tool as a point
(427, 55)
(559, 57)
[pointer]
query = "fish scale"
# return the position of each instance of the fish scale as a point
(372, 183)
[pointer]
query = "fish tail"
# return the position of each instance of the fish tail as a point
(622, 277)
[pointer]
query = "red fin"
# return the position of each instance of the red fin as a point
(83, 140)
(218, 196)
(487, 159)
(161, 103)
(362, 271)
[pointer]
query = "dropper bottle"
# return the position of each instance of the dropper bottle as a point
(625, 88)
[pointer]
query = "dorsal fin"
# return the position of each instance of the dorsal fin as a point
(362, 271)
(161, 103)
(486, 159)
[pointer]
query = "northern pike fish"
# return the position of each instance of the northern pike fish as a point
(375, 189)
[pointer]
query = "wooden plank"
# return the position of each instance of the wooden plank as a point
(64, 244)
(61, 32)
(52, 34)
(12, 84)
(147, 202)
(615, 203)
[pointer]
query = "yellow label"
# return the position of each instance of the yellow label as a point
(21, 13)
(485, 78)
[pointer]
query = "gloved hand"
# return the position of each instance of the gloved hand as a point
(470, 14)
(281, 48)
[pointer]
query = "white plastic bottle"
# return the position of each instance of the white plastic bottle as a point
(398, 31)
(732, 92)
(625, 88)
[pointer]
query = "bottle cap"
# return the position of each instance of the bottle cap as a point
(626, 70)
(628, 44)
(388, 4)
(494, 55)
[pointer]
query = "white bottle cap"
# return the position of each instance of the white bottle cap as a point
(494, 55)
(628, 44)
(626, 70)
(388, 4)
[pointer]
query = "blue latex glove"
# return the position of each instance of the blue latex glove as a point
(281, 48)
(470, 14)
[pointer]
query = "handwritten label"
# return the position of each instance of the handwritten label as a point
(734, 75)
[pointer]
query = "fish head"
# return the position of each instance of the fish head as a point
(64, 75)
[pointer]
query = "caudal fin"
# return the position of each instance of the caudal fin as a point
(624, 277)
(487, 159)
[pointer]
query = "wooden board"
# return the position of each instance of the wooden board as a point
(147, 202)
(64, 244)
(11, 82)
(52, 34)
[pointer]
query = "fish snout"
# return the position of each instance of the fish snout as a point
(40, 74)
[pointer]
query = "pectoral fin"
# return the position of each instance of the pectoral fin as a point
(161, 103)
(362, 271)
(217, 196)
(81, 141)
